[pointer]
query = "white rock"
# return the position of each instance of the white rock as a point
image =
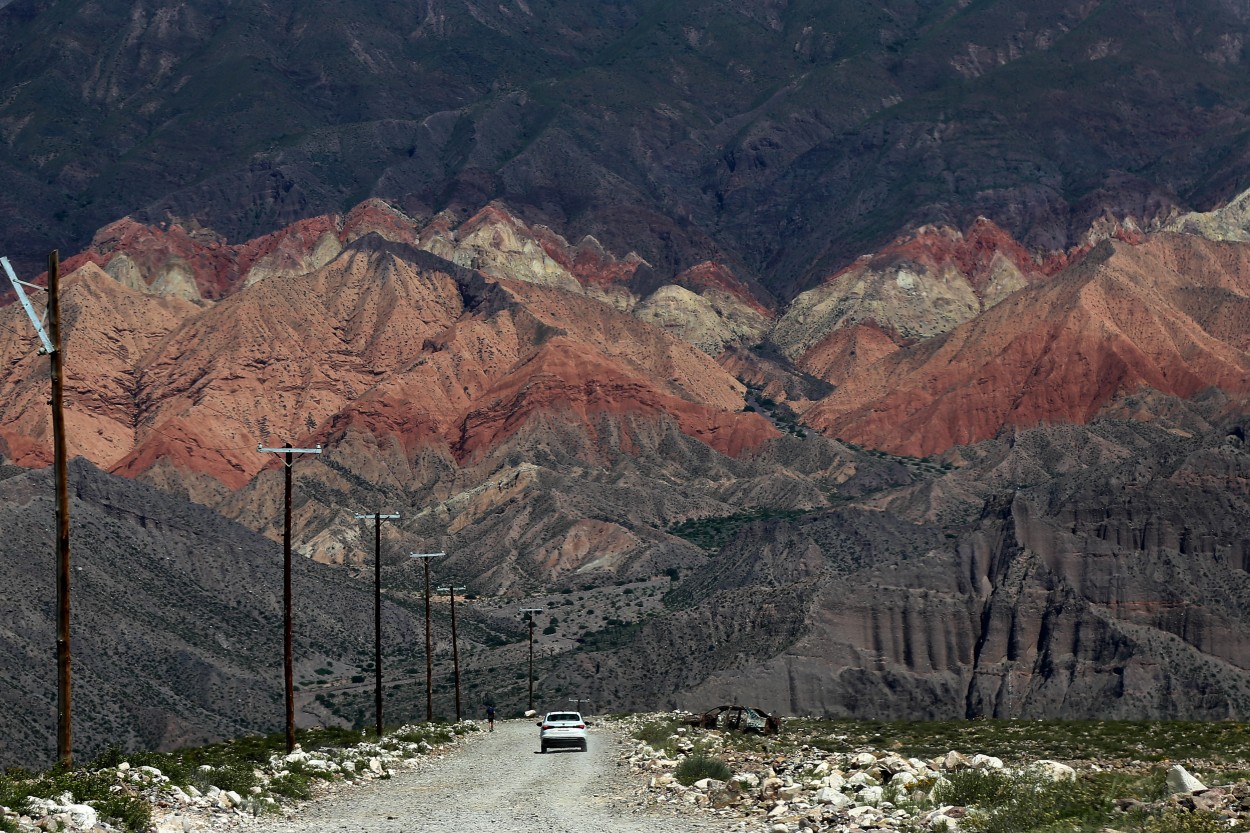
(297, 757)
(903, 780)
(834, 780)
(828, 795)
(375, 766)
(1180, 781)
(870, 795)
(80, 815)
(864, 759)
(123, 766)
(938, 818)
(235, 798)
(1054, 770)
(952, 760)
(986, 762)
(894, 763)
(862, 779)
(747, 779)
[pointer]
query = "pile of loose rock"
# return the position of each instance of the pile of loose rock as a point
(178, 809)
(809, 790)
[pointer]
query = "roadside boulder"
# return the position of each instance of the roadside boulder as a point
(1180, 781)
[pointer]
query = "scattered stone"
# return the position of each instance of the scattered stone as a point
(1054, 770)
(1180, 781)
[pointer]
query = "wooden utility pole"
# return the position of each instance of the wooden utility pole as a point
(51, 340)
(429, 639)
(530, 611)
(60, 463)
(288, 675)
(287, 655)
(455, 649)
(377, 615)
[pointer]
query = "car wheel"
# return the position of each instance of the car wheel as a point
(583, 746)
(544, 749)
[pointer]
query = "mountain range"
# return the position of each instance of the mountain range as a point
(783, 139)
(887, 373)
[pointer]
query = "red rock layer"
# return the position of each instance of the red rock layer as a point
(1168, 315)
(383, 340)
(711, 275)
(847, 353)
(563, 379)
(218, 267)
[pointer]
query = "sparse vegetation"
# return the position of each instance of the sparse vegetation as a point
(230, 766)
(1120, 740)
(697, 767)
(129, 812)
(713, 533)
(1123, 792)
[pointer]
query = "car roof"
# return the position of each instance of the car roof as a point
(561, 715)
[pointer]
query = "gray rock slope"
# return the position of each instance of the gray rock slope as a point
(176, 619)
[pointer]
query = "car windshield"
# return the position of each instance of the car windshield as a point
(564, 717)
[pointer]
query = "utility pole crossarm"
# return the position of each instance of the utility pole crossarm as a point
(289, 450)
(48, 346)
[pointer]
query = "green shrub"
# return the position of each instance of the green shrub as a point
(656, 733)
(1028, 801)
(235, 776)
(128, 812)
(119, 809)
(697, 767)
(292, 785)
(1175, 820)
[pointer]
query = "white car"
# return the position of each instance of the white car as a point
(562, 729)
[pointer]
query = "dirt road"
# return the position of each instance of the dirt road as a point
(500, 784)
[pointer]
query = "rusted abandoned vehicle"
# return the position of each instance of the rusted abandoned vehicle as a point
(736, 719)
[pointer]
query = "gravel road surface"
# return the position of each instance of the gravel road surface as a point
(500, 784)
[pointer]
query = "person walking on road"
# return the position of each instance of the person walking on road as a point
(490, 717)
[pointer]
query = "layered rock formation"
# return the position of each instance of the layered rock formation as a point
(1166, 315)
(1111, 588)
(557, 417)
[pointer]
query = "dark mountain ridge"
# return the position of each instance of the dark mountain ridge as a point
(782, 139)
(176, 620)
